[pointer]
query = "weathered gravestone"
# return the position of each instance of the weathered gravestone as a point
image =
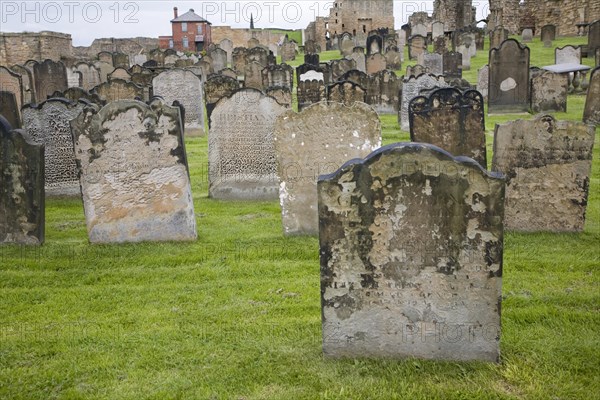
(288, 51)
(419, 29)
(281, 75)
(411, 243)
(567, 55)
(548, 35)
(374, 44)
(107, 57)
(527, 35)
(393, 58)
(253, 76)
(548, 165)
(483, 77)
(90, 76)
(412, 88)
(417, 45)
(453, 62)
(509, 78)
(74, 78)
(416, 70)
(593, 36)
(346, 92)
(239, 59)
(76, 94)
(252, 43)
(356, 76)
(311, 47)
(134, 173)
(120, 73)
(22, 199)
(497, 36)
(451, 120)
(27, 81)
(185, 87)
(219, 59)
(262, 56)
(310, 91)
(120, 60)
(9, 109)
(241, 154)
(13, 83)
(311, 58)
(48, 124)
(549, 92)
(591, 113)
(118, 89)
(50, 76)
(283, 95)
(441, 45)
(383, 92)
(217, 87)
(308, 71)
(376, 63)
(346, 44)
(340, 67)
(227, 46)
(358, 55)
(304, 152)
(434, 63)
(437, 29)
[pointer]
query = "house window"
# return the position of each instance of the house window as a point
(171, 44)
(185, 42)
(199, 29)
(184, 27)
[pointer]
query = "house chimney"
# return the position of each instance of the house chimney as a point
(175, 12)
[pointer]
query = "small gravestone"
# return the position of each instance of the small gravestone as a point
(253, 75)
(567, 55)
(185, 87)
(509, 78)
(548, 35)
(241, 154)
(453, 65)
(281, 75)
(376, 63)
(303, 153)
(591, 113)
(497, 36)
(9, 109)
(104, 69)
(346, 92)
(417, 45)
(358, 55)
(411, 243)
(217, 87)
(465, 50)
(437, 29)
(219, 59)
(383, 92)
(412, 88)
(594, 36)
(106, 57)
(549, 92)
(120, 73)
(50, 76)
(205, 66)
(134, 174)
(311, 47)
(90, 76)
(118, 89)
(434, 63)
(451, 120)
(527, 35)
(548, 165)
(346, 44)
(48, 124)
(139, 59)
(22, 199)
(227, 46)
(483, 76)
(311, 91)
(393, 58)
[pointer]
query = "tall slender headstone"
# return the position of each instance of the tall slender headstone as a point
(509, 78)
(591, 112)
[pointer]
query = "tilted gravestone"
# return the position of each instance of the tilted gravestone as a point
(118, 89)
(9, 109)
(591, 113)
(567, 55)
(411, 88)
(185, 87)
(217, 87)
(303, 153)
(346, 92)
(549, 92)
(22, 199)
(48, 124)
(311, 91)
(50, 76)
(411, 243)
(548, 165)
(376, 63)
(134, 174)
(241, 154)
(483, 76)
(451, 120)
(509, 78)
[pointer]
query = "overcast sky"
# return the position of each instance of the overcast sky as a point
(87, 20)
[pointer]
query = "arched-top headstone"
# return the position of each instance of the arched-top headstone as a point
(591, 113)
(567, 55)
(50, 76)
(346, 92)
(509, 78)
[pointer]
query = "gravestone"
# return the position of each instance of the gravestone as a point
(74, 78)
(311, 58)
(239, 59)
(288, 51)
(453, 62)
(260, 55)
(139, 59)
(303, 153)
(171, 59)
(567, 55)
(13, 83)
(304, 69)
(451, 120)
(183, 63)
(497, 36)
(483, 77)
(90, 76)
(134, 173)
(416, 70)
(393, 58)
(358, 55)
(282, 95)
(205, 65)
(419, 29)
(229, 72)
(9, 109)
(376, 63)
(310, 91)
(253, 76)
(346, 92)
(548, 35)
(340, 67)
(120, 73)
(383, 92)
(106, 57)
(241, 153)
(217, 87)
(549, 92)
(143, 78)
(76, 94)
(156, 55)
(118, 89)
(437, 30)
(548, 165)
(49, 76)
(227, 46)
(527, 35)
(22, 199)
(410, 222)
(417, 45)
(281, 75)
(509, 78)
(103, 69)
(374, 44)
(120, 60)
(27, 81)
(356, 76)
(346, 44)
(219, 59)
(594, 36)
(311, 47)
(441, 45)
(434, 63)
(412, 88)
(598, 57)
(47, 124)
(185, 87)
(591, 112)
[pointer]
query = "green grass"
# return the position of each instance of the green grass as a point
(236, 314)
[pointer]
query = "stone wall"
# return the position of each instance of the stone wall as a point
(240, 37)
(565, 14)
(455, 14)
(130, 47)
(355, 16)
(505, 13)
(17, 48)
(317, 31)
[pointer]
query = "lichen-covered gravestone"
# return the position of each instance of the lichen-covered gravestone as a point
(547, 163)
(134, 173)
(22, 201)
(303, 153)
(483, 76)
(185, 87)
(412, 88)
(118, 89)
(591, 113)
(509, 78)
(411, 245)
(451, 120)
(50, 76)
(217, 87)
(549, 92)
(48, 124)
(346, 92)
(241, 154)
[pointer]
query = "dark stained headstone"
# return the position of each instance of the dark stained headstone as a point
(509, 78)
(9, 109)
(50, 76)
(452, 62)
(374, 44)
(217, 87)
(451, 120)
(383, 92)
(311, 58)
(548, 34)
(548, 165)
(591, 113)
(310, 91)
(22, 198)
(356, 76)
(594, 36)
(411, 246)
(346, 92)
(549, 92)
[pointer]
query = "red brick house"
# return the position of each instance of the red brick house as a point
(191, 33)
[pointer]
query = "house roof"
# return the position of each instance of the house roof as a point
(190, 16)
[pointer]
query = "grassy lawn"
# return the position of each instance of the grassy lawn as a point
(236, 314)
